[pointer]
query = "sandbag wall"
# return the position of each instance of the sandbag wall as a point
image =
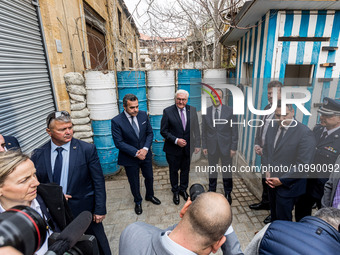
(75, 85)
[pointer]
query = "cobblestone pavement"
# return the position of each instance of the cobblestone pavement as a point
(120, 206)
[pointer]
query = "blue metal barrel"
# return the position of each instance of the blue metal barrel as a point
(158, 141)
(132, 82)
(190, 80)
(107, 152)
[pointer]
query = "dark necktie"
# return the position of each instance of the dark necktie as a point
(183, 118)
(58, 165)
(280, 136)
(216, 114)
(134, 126)
(323, 137)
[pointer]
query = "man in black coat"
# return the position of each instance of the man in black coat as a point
(219, 141)
(179, 127)
(289, 147)
(74, 165)
(132, 134)
(327, 135)
(259, 143)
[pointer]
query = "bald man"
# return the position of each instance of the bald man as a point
(200, 231)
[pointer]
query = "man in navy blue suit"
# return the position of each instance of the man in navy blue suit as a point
(74, 165)
(8, 142)
(179, 127)
(132, 134)
(220, 142)
(289, 146)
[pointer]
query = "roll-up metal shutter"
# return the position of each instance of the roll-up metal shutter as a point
(26, 93)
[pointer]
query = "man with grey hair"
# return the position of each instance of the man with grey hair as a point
(200, 231)
(313, 235)
(179, 127)
(74, 165)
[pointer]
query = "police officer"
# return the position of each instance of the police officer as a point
(327, 135)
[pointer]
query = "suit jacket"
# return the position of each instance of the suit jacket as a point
(296, 147)
(86, 182)
(260, 130)
(55, 202)
(326, 153)
(172, 128)
(11, 142)
(223, 136)
(144, 239)
(331, 185)
(127, 141)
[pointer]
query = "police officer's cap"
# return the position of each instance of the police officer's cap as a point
(330, 106)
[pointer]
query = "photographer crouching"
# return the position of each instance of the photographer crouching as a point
(19, 186)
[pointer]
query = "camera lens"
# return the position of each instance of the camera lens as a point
(195, 190)
(22, 228)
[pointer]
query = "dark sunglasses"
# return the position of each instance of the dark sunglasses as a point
(55, 115)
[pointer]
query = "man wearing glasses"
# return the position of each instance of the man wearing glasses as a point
(180, 123)
(74, 165)
(8, 142)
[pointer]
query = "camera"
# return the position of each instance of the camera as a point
(24, 229)
(195, 190)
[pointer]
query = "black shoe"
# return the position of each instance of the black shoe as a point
(268, 219)
(153, 200)
(260, 206)
(176, 199)
(138, 209)
(228, 197)
(184, 194)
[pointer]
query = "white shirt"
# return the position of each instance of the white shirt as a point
(174, 247)
(36, 206)
(129, 117)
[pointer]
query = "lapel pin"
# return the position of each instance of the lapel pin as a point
(9, 143)
(336, 136)
(74, 147)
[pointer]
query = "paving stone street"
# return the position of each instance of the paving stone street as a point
(120, 206)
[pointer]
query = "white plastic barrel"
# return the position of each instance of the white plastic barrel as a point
(101, 95)
(161, 90)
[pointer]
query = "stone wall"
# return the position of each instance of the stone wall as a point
(75, 86)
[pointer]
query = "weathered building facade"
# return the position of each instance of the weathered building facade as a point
(41, 41)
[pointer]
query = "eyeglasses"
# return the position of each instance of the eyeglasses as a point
(55, 115)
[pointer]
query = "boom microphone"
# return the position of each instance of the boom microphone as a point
(71, 234)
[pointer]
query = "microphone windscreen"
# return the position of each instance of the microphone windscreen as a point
(74, 231)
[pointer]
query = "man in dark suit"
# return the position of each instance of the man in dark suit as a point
(74, 165)
(8, 142)
(259, 143)
(179, 127)
(327, 135)
(132, 134)
(219, 141)
(289, 146)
